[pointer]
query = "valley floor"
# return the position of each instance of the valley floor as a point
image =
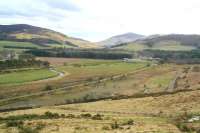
(105, 97)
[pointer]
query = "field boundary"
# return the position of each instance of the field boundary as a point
(106, 98)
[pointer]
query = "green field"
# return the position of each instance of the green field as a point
(133, 47)
(17, 44)
(25, 76)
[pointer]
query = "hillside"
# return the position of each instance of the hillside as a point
(40, 36)
(174, 42)
(124, 38)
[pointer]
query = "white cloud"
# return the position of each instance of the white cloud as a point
(98, 19)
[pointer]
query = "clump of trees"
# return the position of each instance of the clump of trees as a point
(22, 62)
(189, 57)
(7, 55)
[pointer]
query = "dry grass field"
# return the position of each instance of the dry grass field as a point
(140, 115)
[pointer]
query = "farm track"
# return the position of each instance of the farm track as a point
(173, 84)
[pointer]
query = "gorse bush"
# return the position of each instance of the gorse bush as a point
(71, 116)
(86, 115)
(46, 115)
(14, 123)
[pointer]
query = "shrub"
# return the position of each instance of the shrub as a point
(40, 126)
(62, 115)
(114, 125)
(14, 123)
(105, 128)
(97, 117)
(86, 115)
(71, 116)
(183, 127)
(48, 88)
(51, 115)
(128, 122)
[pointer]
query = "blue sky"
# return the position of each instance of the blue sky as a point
(96, 20)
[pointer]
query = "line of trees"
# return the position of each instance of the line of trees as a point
(82, 53)
(19, 47)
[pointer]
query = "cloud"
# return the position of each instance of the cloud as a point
(99, 19)
(50, 9)
(62, 4)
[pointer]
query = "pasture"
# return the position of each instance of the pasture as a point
(14, 78)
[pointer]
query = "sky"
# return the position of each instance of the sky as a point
(96, 20)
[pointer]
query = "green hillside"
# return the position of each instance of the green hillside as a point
(174, 42)
(168, 46)
(40, 36)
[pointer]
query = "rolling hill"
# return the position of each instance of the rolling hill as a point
(174, 42)
(124, 38)
(40, 36)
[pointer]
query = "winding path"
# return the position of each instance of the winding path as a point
(59, 76)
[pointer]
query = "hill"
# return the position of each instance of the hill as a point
(40, 36)
(124, 38)
(176, 42)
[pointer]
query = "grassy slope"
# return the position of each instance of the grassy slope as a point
(170, 45)
(25, 76)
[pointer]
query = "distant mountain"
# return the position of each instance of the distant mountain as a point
(124, 38)
(40, 36)
(164, 42)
